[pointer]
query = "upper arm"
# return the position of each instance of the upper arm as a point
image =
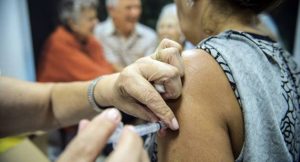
(210, 119)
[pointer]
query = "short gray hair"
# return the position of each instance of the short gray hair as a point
(111, 3)
(169, 11)
(72, 9)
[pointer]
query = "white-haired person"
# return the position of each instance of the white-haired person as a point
(168, 26)
(72, 53)
(125, 39)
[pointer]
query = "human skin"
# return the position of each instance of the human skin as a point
(210, 118)
(93, 136)
(26, 106)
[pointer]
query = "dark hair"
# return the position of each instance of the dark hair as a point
(257, 6)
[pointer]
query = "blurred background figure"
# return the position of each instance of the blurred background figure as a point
(124, 39)
(168, 26)
(72, 54)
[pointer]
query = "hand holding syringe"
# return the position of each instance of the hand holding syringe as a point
(143, 129)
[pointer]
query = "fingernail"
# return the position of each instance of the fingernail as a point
(160, 88)
(175, 124)
(131, 128)
(82, 124)
(112, 114)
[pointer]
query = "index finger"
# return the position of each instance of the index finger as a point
(167, 43)
(147, 95)
(143, 91)
(169, 52)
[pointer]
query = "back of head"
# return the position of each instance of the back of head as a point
(71, 9)
(257, 6)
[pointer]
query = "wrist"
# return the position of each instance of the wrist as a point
(104, 91)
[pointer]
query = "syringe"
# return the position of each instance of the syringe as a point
(141, 130)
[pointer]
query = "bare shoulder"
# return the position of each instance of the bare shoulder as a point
(211, 124)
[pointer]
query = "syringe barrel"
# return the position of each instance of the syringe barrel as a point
(141, 130)
(147, 128)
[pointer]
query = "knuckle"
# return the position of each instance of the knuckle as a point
(165, 40)
(157, 105)
(175, 72)
(149, 97)
(166, 54)
(124, 79)
(142, 60)
(164, 111)
(174, 50)
(121, 87)
(165, 43)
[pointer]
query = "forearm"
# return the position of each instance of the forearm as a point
(28, 106)
(69, 103)
(23, 106)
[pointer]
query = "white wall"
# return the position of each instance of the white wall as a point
(297, 40)
(16, 53)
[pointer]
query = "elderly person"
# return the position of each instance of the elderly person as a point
(72, 54)
(168, 26)
(124, 39)
(241, 94)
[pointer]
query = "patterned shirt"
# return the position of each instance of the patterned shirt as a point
(265, 80)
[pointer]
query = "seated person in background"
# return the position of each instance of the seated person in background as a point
(124, 39)
(240, 100)
(168, 26)
(72, 53)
